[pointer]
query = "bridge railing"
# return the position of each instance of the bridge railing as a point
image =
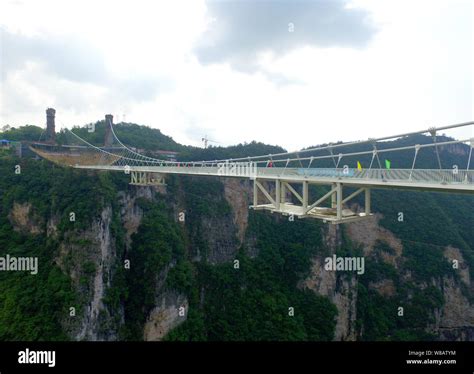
(402, 175)
(431, 176)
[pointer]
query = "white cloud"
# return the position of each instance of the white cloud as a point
(415, 72)
(240, 30)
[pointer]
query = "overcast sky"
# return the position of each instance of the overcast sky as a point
(283, 72)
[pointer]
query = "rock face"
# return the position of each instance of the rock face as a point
(214, 237)
(454, 254)
(88, 258)
(457, 316)
(102, 276)
(341, 289)
(171, 308)
(385, 287)
(367, 232)
(24, 220)
(130, 213)
(456, 319)
(238, 193)
(52, 226)
(170, 311)
(219, 234)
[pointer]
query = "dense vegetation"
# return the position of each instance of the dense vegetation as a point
(252, 301)
(236, 151)
(248, 302)
(378, 315)
(25, 133)
(131, 134)
(33, 307)
(143, 138)
(157, 242)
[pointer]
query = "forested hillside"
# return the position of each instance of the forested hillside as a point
(189, 261)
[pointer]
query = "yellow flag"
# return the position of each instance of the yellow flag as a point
(359, 166)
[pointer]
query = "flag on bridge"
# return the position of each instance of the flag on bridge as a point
(387, 164)
(359, 166)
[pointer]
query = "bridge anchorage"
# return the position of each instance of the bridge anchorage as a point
(281, 182)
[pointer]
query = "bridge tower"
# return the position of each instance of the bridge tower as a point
(50, 125)
(109, 137)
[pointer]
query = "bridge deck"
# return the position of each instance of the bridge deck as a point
(427, 179)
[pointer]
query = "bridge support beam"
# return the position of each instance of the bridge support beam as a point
(333, 197)
(334, 213)
(339, 201)
(139, 178)
(255, 193)
(305, 195)
(367, 201)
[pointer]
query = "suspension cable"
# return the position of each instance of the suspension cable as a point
(338, 145)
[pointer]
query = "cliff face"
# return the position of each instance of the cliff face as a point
(214, 222)
(340, 288)
(88, 258)
(24, 219)
(170, 307)
(238, 193)
(454, 320)
(219, 236)
(170, 311)
(91, 258)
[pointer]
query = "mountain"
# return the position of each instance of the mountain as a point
(148, 140)
(189, 261)
(25, 133)
(141, 137)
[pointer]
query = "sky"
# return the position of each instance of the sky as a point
(289, 73)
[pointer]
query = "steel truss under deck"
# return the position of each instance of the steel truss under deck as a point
(276, 196)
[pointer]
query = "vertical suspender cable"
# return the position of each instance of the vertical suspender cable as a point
(469, 158)
(332, 154)
(339, 158)
(378, 159)
(417, 148)
(298, 155)
(433, 134)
